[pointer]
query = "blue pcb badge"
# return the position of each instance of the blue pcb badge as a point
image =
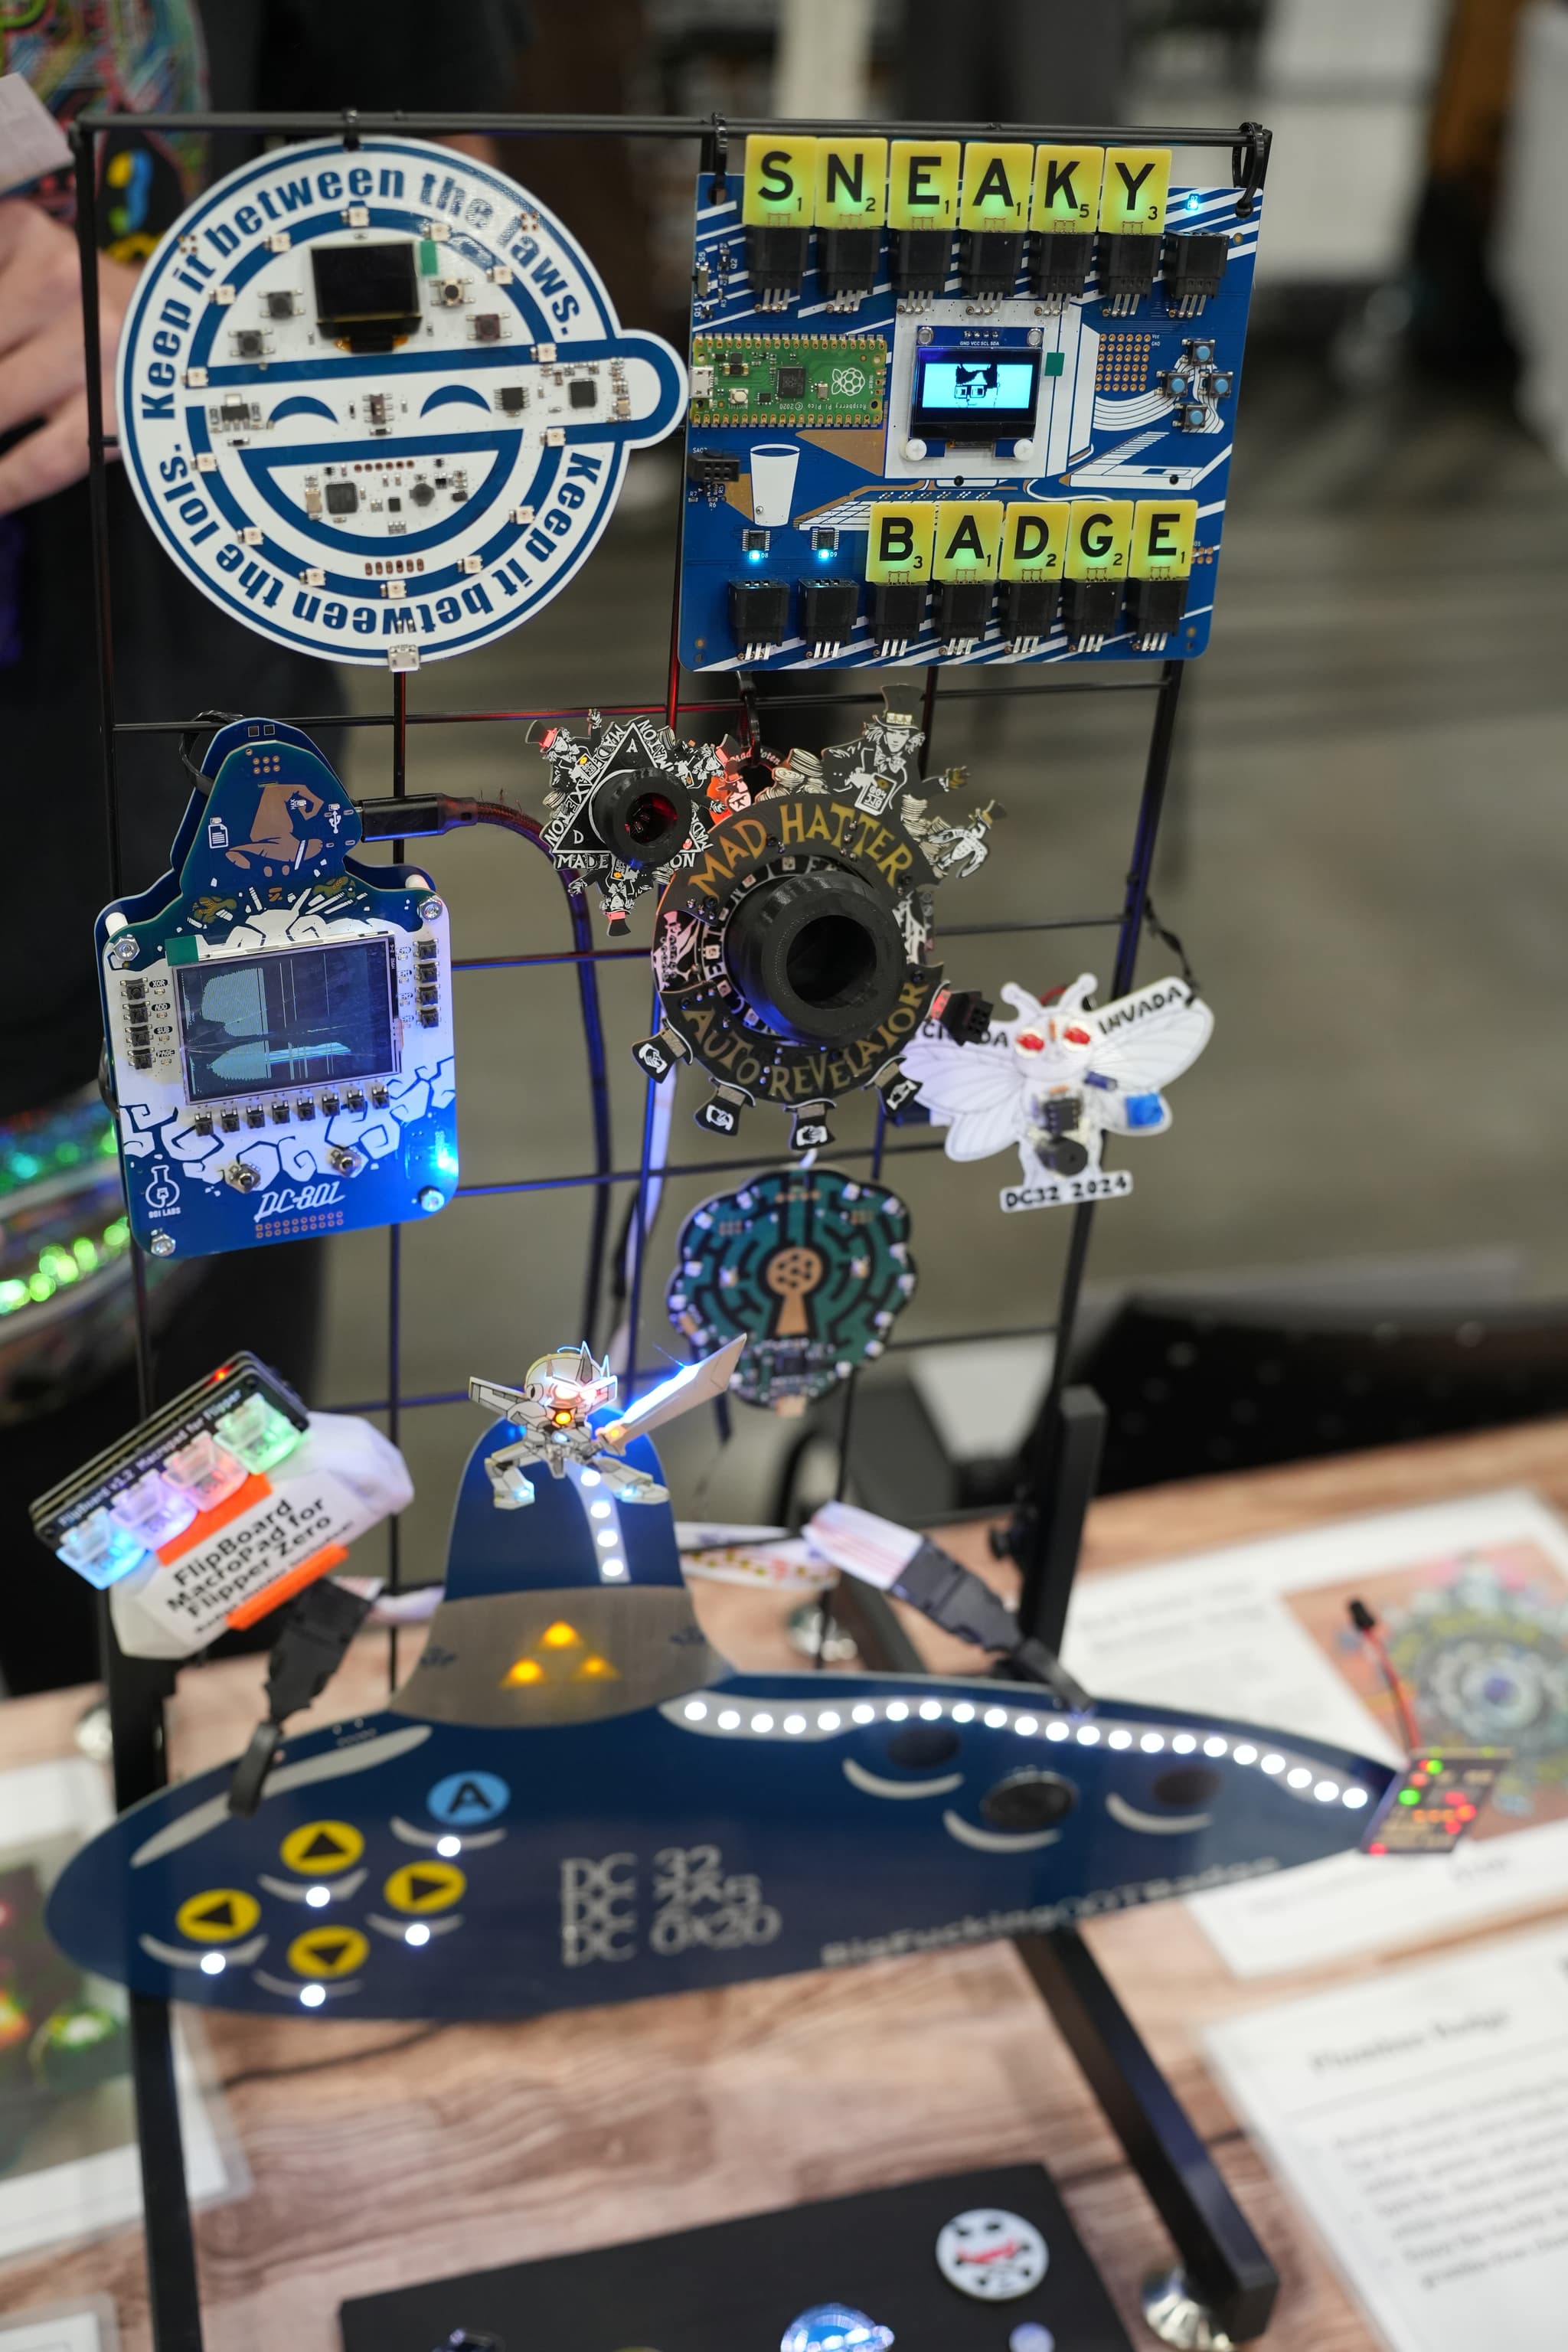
(377, 404)
(279, 1017)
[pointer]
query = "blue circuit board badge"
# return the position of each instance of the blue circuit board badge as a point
(810, 1265)
(958, 402)
(279, 1017)
(378, 405)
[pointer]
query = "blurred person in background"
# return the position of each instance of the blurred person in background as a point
(67, 1383)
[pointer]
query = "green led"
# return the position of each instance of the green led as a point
(1410, 1796)
(429, 256)
(57, 1266)
(257, 1433)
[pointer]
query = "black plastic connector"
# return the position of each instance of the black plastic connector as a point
(1127, 266)
(1193, 267)
(1060, 265)
(989, 261)
(919, 260)
(898, 606)
(776, 264)
(711, 468)
(957, 1600)
(965, 1015)
(759, 613)
(827, 613)
(1028, 608)
(1090, 610)
(307, 1654)
(963, 609)
(1154, 610)
(847, 262)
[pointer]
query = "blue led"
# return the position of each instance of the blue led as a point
(1143, 1110)
(753, 554)
(825, 555)
(1194, 201)
(100, 1550)
(835, 2328)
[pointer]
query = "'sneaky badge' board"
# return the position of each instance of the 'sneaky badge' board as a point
(376, 403)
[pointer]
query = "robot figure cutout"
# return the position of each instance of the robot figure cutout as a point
(1056, 1078)
(554, 1410)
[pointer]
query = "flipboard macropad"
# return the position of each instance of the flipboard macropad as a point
(958, 402)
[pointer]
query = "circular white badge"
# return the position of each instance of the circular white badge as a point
(376, 403)
(991, 2255)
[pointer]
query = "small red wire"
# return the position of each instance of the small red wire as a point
(1366, 1625)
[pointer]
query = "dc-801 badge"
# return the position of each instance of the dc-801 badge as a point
(377, 403)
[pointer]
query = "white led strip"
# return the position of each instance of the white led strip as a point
(715, 1714)
(604, 1513)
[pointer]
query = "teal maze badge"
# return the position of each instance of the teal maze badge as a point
(376, 403)
(810, 1266)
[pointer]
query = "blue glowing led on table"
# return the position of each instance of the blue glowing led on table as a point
(834, 2327)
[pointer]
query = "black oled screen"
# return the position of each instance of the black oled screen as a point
(362, 283)
(300, 1018)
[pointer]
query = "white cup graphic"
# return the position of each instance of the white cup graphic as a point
(772, 480)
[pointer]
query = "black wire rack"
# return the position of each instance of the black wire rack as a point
(137, 1691)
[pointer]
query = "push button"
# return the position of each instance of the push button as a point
(1029, 1800)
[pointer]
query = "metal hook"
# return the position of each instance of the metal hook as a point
(351, 129)
(719, 147)
(1250, 166)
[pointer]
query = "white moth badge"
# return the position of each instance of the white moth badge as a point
(1057, 1079)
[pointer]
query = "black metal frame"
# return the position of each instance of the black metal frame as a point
(1227, 2268)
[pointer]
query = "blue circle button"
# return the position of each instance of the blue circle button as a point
(468, 1800)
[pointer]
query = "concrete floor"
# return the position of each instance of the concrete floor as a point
(1365, 859)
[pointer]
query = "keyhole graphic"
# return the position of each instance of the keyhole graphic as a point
(793, 1274)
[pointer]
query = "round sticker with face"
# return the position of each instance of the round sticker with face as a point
(991, 2255)
(377, 403)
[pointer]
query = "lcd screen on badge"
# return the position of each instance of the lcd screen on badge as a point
(994, 390)
(302, 1018)
(984, 385)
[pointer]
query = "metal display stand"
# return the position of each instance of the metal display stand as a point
(1224, 2289)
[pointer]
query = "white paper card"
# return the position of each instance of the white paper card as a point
(1473, 1594)
(1421, 2121)
(31, 141)
(62, 2327)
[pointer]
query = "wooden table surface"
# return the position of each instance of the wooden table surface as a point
(385, 2154)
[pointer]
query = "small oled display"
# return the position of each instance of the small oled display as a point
(295, 1019)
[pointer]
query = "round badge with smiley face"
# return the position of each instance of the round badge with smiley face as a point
(991, 2255)
(375, 401)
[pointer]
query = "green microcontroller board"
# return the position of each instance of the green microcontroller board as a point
(788, 379)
